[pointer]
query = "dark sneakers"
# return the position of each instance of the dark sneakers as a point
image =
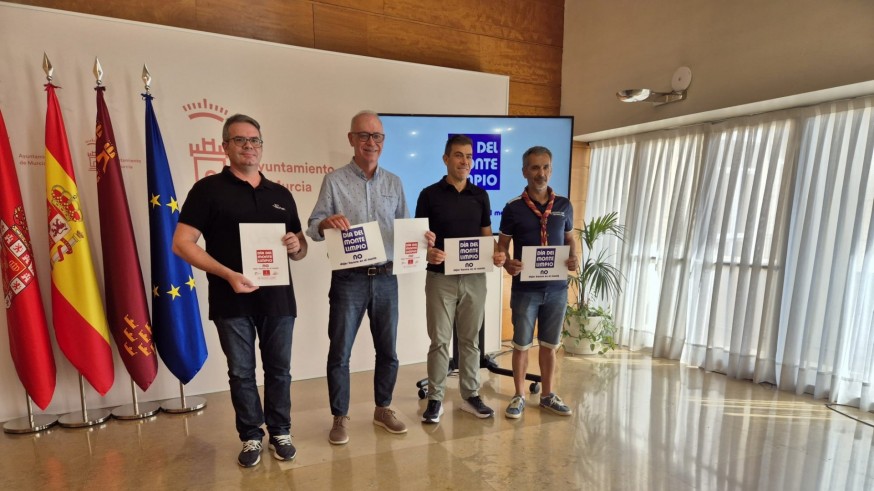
(553, 403)
(433, 412)
(251, 454)
(282, 447)
(474, 405)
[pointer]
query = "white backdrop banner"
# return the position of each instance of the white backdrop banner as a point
(303, 98)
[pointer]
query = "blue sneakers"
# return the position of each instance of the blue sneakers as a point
(516, 407)
(552, 402)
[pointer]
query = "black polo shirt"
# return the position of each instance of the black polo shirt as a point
(520, 223)
(216, 206)
(452, 214)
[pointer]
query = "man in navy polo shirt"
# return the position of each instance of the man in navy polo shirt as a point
(455, 208)
(241, 311)
(537, 218)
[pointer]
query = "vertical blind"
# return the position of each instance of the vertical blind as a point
(749, 248)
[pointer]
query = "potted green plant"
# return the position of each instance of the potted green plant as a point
(590, 328)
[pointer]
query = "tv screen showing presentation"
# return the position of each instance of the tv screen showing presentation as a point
(414, 147)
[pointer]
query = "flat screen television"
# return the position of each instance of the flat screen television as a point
(414, 146)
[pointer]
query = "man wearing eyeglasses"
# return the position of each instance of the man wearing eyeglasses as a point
(242, 311)
(362, 192)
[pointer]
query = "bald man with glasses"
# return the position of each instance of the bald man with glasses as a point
(362, 192)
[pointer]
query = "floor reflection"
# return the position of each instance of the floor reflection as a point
(638, 423)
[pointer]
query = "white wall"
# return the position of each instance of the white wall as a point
(303, 99)
(739, 52)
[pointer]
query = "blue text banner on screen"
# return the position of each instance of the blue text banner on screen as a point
(414, 145)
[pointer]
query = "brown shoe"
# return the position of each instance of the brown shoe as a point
(338, 435)
(385, 417)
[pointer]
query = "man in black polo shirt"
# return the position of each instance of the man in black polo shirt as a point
(537, 218)
(241, 311)
(455, 208)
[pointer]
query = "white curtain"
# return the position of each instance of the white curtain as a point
(749, 247)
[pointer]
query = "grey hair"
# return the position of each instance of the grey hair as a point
(366, 112)
(537, 150)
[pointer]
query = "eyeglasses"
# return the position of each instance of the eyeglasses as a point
(363, 136)
(240, 141)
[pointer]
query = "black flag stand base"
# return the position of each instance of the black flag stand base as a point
(33, 423)
(137, 410)
(83, 418)
(183, 404)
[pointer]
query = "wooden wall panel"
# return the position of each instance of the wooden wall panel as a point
(524, 62)
(340, 30)
(518, 38)
(526, 94)
(180, 13)
(517, 110)
(371, 6)
(279, 21)
(503, 19)
(419, 43)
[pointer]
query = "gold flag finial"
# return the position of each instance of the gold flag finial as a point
(47, 67)
(98, 72)
(147, 78)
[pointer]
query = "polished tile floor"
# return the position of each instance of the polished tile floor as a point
(639, 423)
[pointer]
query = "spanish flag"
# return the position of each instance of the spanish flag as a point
(77, 311)
(28, 331)
(126, 308)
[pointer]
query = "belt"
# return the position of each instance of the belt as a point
(374, 270)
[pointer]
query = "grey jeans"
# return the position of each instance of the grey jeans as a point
(458, 300)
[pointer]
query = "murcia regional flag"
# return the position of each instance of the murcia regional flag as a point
(126, 308)
(28, 332)
(77, 311)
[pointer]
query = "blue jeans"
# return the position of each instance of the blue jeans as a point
(237, 337)
(546, 308)
(352, 294)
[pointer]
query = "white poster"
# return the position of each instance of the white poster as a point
(469, 255)
(361, 245)
(544, 263)
(411, 249)
(265, 258)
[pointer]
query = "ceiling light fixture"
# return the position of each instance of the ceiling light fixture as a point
(679, 83)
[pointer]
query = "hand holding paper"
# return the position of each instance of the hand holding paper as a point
(265, 257)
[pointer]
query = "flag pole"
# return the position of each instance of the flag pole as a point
(183, 404)
(33, 423)
(82, 419)
(136, 410)
(76, 419)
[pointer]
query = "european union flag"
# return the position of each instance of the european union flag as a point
(176, 326)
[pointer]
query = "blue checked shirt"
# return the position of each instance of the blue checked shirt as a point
(346, 191)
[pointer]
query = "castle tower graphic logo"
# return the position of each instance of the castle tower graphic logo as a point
(205, 109)
(91, 145)
(207, 155)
